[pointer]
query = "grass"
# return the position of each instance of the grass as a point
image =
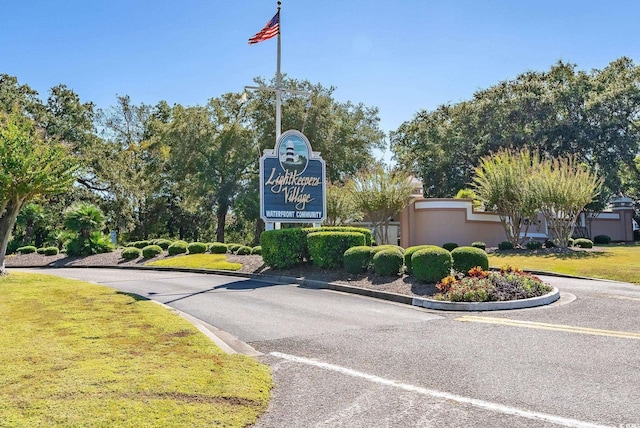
(199, 261)
(78, 355)
(615, 262)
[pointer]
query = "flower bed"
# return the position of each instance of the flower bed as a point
(482, 286)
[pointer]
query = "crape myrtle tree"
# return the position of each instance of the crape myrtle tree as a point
(563, 111)
(31, 164)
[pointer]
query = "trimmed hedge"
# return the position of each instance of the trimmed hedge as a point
(357, 259)
(284, 248)
(218, 248)
(140, 244)
(27, 249)
(244, 250)
(368, 236)
(150, 251)
(431, 264)
(233, 247)
(197, 248)
(40, 250)
(178, 247)
(384, 247)
(479, 244)
(387, 262)
(162, 243)
(602, 239)
(505, 245)
(131, 253)
(583, 243)
(450, 246)
(408, 253)
(327, 248)
(466, 258)
(256, 251)
(51, 251)
(533, 245)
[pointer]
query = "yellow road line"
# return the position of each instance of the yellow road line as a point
(613, 296)
(554, 327)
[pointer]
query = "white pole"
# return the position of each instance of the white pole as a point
(278, 82)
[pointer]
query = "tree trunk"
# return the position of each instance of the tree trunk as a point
(7, 220)
(221, 216)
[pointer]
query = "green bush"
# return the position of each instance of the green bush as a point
(378, 248)
(327, 248)
(583, 243)
(549, 244)
(357, 259)
(388, 262)
(140, 244)
(197, 248)
(431, 264)
(505, 245)
(601, 239)
(479, 244)
(233, 248)
(27, 249)
(570, 242)
(533, 245)
(408, 253)
(178, 247)
(131, 253)
(466, 258)
(162, 243)
(218, 248)
(40, 250)
(150, 251)
(284, 248)
(450, 246)
(97, 243)
(257, 250)
(368, 236)
(51, 251)
(244, 250)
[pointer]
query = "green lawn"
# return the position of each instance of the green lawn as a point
(615, 262)
(199, 261)
(83, 355)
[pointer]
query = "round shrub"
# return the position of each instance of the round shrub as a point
(466, 258)
(197, 248)
(479, 244)
(533, 245)
(431, 264)
(284, 248)
(368, 236)
(131, 253)
(583, 243)
(384, 247)
(327, 248)
(233, 248)
(357, 259)
(244, 250)
(178, 247)
(256, 251)
(450, 246)
(162, 243)
(549, 244)
(388, 262)
(150, 251)
(218, 248)
(51, 251)
(601, 239)
(140, 244)
(505, 245)
(27, 249)
(40, 250)
(408, 253)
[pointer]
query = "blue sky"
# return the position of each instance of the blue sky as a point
(401, 56)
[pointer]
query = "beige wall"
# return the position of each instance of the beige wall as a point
(437, 221)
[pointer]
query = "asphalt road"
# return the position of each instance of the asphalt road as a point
(342, 360)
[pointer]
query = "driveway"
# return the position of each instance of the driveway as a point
(351, 361)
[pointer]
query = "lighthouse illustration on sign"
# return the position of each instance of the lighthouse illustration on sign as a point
(294, 155)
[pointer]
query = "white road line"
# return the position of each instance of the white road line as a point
(495, 407)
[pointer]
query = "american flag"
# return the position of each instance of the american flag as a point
(270, 30)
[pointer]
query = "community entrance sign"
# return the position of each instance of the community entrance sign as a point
(292, 182)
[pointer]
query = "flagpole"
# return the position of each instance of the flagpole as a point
(278, 82)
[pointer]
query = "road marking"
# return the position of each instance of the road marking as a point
(554, 327)
(486, 405)
(613, 296)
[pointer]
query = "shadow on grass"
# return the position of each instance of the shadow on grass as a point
(567, 254)
(135, 297)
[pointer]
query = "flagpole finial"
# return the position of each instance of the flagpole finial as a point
(279, 4)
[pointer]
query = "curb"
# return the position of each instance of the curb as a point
(439, 305)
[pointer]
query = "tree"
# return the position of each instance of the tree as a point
(341, 207)
(86, 221)
(503, 182)
(380, 194)
(30, 165)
